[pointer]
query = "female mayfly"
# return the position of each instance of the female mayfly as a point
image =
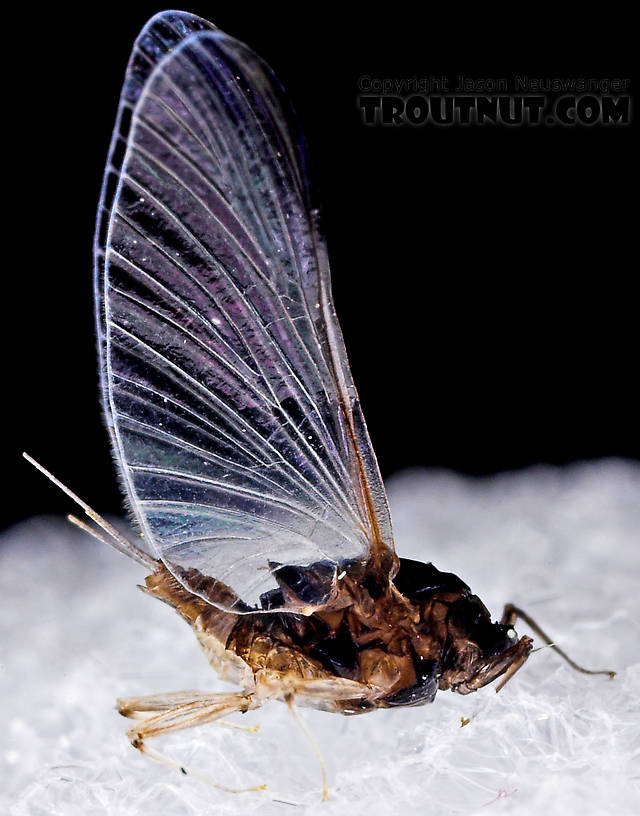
(233, 415)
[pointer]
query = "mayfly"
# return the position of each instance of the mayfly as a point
(233, 415)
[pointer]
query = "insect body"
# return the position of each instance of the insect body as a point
(375, 647)
(233, 416)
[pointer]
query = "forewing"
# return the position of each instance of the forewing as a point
(230, 402)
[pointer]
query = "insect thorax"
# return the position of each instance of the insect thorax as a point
(401, 640)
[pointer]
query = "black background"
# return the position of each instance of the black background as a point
(483, 276)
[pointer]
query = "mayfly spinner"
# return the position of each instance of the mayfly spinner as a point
(233, 415)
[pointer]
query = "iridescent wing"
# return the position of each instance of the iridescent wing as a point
(229, 398)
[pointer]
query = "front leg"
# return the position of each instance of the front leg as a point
(510, 616)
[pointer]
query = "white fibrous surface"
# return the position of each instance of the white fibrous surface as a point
(563, 544)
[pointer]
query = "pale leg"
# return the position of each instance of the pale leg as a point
(331, 689)
(186, 709)
(178, 710)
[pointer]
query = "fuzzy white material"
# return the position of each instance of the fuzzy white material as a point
(563, 544)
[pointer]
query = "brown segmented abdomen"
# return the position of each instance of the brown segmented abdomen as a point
(237, 646)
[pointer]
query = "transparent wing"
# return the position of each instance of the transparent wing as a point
(228, 393)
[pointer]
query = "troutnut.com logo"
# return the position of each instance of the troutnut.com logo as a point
(521, 100)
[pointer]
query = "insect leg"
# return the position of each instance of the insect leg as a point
(251, 729)
(137, 707)
(290, 701)
(510, 616)
(176, 711)
(333, 688)
(287, 686)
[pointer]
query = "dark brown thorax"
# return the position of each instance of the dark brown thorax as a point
(405, 638)
(402, 639)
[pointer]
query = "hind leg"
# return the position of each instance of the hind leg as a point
(176, 711)
(186, 709)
